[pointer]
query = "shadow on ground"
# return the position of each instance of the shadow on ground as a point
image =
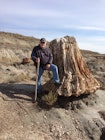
(70, 103)
(103, 134)
(14, 91)
(25, 92)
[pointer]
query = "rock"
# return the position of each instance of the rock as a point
(71, 118)
(75, 76)
(26, 60)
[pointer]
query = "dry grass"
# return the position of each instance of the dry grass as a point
(50, 98)
(13, 78)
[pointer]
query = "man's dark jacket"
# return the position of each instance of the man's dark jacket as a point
(44, 54)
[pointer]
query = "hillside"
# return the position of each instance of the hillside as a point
(72, 118)
(16, 40)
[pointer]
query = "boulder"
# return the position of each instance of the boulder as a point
(74, 74)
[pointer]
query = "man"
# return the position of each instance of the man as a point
(42, 54)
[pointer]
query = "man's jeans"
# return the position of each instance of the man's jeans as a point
(54, 70)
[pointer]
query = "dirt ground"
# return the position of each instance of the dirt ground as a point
(72, 118)
(81, 118)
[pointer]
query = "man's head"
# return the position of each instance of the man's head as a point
(43, 42)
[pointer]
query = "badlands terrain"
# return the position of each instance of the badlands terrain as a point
(73, 118)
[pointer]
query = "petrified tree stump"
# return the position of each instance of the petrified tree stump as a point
(74, 74)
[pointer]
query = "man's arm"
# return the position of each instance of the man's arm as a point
(33, 55)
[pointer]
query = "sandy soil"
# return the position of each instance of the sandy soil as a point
(81, 118)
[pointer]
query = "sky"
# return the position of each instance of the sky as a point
(83, 19)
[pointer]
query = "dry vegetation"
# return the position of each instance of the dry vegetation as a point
(53, 118)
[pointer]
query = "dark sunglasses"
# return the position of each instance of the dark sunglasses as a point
(42, 42)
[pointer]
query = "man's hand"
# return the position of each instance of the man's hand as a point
(47, 66)
(37, 60)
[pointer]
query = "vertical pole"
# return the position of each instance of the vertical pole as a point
(37, 74)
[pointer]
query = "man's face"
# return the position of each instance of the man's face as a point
(43, 44)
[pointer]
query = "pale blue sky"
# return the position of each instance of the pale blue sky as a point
(83, 19)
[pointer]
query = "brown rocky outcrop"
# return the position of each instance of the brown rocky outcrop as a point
(74, 74)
